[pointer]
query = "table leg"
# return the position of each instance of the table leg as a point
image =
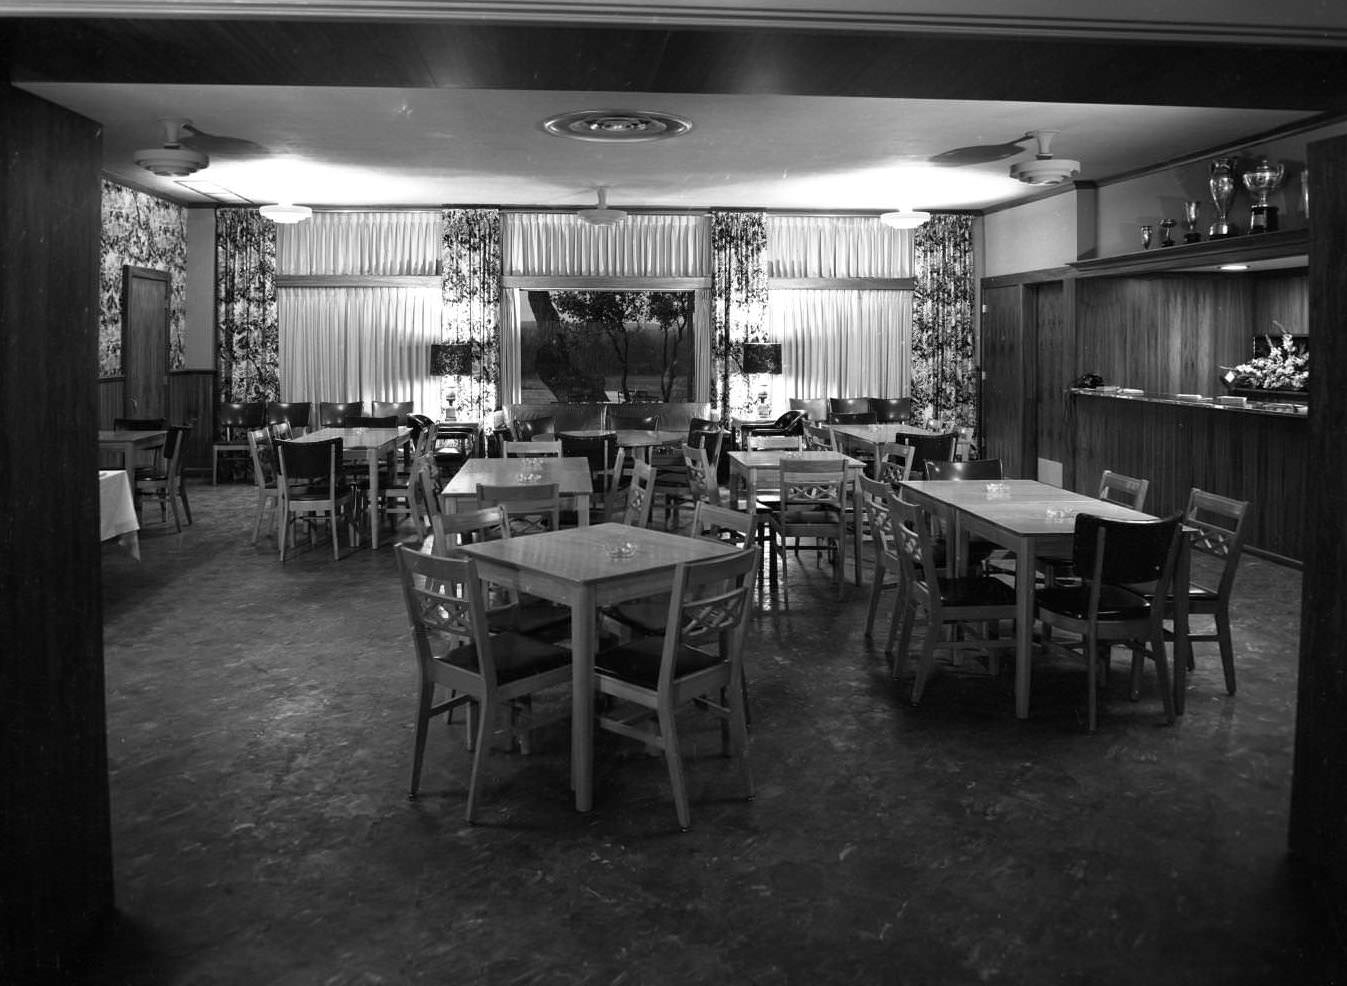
(1025, 568)
(582, 698)
(1183, 644)
(582, 510)
(372, 457)
(858, 514)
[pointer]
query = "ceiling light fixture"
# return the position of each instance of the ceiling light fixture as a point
(904, 218)
(284, 212)
(1045, 169)
(1233, 267)
(602, 215)
(616, 126)
(172, 160)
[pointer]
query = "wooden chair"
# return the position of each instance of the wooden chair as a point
(527, 429)
(369, 421)
(967, 604)
(456, 651)
(401, 410)
(265, 475)
(815, 408)
(165, 483)
(312, 487)
(720, 523)
(893, 462)
(891, 410)
(533, 507)
(632, 420)
(1217, 527)
(849, 408)
(1126, 490)
(974, 469)
(296, 415)
(789, 424)
(232, 424)
(698, 660)
(927, 447)
(337, 414)
(879, 520)
(694, 482)
(530, 449)
(758, 441)
(1103, 609)
(819, 438)
(812, 503)
(640, 496)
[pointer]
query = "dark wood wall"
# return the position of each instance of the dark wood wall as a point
(54, 827)
(190, 397)
(1319, 782)
(1006, 420)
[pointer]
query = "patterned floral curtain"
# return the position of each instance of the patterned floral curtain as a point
(471, 271)
(739, 305)
(944, 340)
(247, 348)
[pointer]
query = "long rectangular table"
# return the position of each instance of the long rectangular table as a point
(574, 567)
(570, 473)
(371, 444)
(746, 467)
(1031, 519)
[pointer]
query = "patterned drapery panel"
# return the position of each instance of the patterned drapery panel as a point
(247, 348)
(944, 338)
(739, 305)
(470, 258)
(143, 231)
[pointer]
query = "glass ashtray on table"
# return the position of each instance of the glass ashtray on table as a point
(617, 550)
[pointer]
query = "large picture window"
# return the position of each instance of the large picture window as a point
(578, 346)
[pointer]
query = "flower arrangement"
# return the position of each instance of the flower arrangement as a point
(1283, 368)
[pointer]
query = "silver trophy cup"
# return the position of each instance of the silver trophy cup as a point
(1262, 180)
(1222, 185)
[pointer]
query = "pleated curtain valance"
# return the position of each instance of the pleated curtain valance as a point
(361, 243)
(836, 247)
(646, 246)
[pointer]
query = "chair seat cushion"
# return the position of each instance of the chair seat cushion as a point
(1115, 602)
(809, 515)
(638, 662)
(976, 590)
(517, 656)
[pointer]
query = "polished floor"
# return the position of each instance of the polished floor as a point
(259, 725)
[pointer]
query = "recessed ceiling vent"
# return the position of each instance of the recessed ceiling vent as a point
(1044, 169)
(616, 126)
(172, 160)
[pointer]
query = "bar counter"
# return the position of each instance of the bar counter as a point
(1258, 453)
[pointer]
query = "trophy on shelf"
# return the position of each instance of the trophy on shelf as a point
(1190, 213)
(1166, 232)
(1146, 231)
(1262, 180)
(1222, 185)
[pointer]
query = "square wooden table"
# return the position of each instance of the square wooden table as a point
(127, 443)
(872, 436)
(745, 467)
(1031, 519)
(574, 567)
(373, 444)
(570, 473)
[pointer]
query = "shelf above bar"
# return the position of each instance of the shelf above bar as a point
(1288, 248)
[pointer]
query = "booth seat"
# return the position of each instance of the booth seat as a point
(673, 415)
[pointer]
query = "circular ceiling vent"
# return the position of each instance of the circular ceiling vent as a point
(616, 126)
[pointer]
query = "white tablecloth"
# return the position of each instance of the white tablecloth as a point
(117, 511)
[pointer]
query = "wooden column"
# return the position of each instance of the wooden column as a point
(1319, 786)
(56, 879)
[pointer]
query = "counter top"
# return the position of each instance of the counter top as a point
(1279, 409)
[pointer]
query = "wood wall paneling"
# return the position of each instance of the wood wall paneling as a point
(1003, 392)
(54, 825)
(1055, 368)
(191, 397)
(1318, 831)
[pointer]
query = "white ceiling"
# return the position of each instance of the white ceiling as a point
(430, 147)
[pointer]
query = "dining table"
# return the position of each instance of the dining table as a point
(1033, 519)
(571, 474)
(636, 439)
(746, 468)
(117, 518)
(127, 442)
(870, 437)
(376, 446)
(585, 568)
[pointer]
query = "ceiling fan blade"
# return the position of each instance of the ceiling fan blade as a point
(200, 140)
(978, 153)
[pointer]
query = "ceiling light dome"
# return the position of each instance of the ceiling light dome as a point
(284, 212)
(1045, 169)
(602, 215)
(904, 218)
(172, 160)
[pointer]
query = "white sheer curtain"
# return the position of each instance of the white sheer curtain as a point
(841, 343)
(367, 342)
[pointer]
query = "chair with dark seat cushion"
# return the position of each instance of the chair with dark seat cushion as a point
(852, 418)
(337, 414)
(455, 650)
(296, 415)
(366, 421)
(312, 487)
(814, 408)
(928, 447)
(791, 423)
(632, 419)
(891, 410)
(698, 660)
(847, 405)
(527, 429)
(812, 504)
(232, 424)
(974, 469)
(1103, 609)
(165, 482)
(401, 410)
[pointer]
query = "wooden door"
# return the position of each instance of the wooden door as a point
(1006, 393)
(145, 342)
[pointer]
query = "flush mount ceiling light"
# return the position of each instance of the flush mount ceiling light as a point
(602, 215)
(284, 212)
(172, 160)
(616, 126)
(1044, 169)
(904, 218)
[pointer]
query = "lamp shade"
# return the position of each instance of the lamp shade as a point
(451, 359)
(762, 357)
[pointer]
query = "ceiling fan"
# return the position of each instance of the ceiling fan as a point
(601, 215)
(959, 157)
(172, 159)
(209, 143)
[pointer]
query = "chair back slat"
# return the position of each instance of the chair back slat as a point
(1125, 490)
(1125, 552)
(717, 523)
